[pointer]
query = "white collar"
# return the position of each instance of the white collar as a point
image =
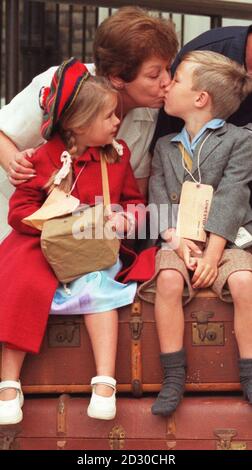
(143, 114)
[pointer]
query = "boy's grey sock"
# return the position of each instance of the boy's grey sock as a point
(245, 366)
(174, 367)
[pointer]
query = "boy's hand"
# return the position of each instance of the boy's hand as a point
(189, 252)
(205, 273)
(20, 168)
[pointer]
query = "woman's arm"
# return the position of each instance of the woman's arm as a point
(20, 120)
(7, 151)
(20, 123)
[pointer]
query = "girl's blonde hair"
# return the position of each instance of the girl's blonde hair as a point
(227, 82)
(91, 100)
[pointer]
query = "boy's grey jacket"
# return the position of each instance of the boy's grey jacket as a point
(225, 163)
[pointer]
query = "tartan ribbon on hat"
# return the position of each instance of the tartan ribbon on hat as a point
(59, 97)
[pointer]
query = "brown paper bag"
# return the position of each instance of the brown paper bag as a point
(80, 243)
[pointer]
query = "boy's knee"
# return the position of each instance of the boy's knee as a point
(170, 282)
(240, 282)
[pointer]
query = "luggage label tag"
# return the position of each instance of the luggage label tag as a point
(57, 204)
(195, 202)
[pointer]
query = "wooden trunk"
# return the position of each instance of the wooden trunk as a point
(200, 422)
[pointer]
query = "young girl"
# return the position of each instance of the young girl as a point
(206, 89)
(79, 116)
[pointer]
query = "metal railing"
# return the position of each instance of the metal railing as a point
(214, 8)
(37, 34)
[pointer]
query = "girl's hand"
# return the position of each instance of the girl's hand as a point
(205, 272)
(123, 223)
(20, 168)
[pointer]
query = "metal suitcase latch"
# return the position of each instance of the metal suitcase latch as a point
(65, 335)
(205, 332)
(62, 414)
(117, 438)
(226, 442)
(8, 438)
(136, 325)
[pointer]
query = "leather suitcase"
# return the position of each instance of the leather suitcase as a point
(225, 423)
(66, 364)
(212, 352)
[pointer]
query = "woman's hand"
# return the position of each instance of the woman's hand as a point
(20, 168)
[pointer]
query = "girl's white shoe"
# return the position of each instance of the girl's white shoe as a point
(10, 410)
(102, 407)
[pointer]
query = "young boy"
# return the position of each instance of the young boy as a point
(206, 89)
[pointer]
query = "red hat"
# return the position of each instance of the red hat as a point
(57, 99)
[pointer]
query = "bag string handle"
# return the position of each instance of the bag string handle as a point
(105, 183)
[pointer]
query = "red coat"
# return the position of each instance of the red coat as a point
(27, 282)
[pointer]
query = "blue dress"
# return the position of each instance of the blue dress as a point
(95, 292)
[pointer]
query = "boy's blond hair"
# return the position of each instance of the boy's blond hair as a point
(227, 82)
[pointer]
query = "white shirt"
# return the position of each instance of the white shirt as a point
(20, 120)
